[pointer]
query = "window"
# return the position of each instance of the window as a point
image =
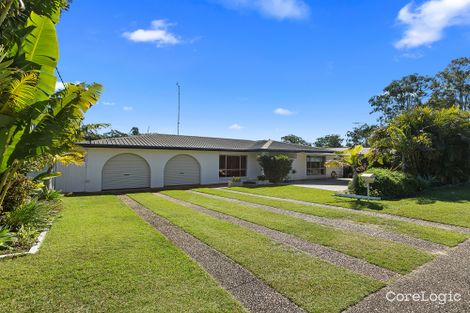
(232, 165)
(315, 165)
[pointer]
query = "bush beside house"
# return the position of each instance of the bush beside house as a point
(276, 168)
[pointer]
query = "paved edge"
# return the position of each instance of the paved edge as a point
(371, 230)
(383, 215)
(253, 293)
(446, 274)
(324, 253)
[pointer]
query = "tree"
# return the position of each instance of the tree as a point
(330, 141)
(134, 131)
(295, 140)
(275, 167)
(401, 95)
(89, 132)
(360, 135)
(34, 121)
(429, 143)
(352, 157)
(452, 85)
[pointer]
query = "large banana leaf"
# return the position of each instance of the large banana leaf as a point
(42, 48)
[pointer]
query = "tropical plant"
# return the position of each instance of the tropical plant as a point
(352, 157)
(276, 168)
(6, 238)
(48, 195)
(21, 190)
(34, 213)
(429, 142)
(26, 236)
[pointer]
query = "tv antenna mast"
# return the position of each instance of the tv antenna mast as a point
(179, 108)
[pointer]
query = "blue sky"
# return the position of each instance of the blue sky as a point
(256, 69)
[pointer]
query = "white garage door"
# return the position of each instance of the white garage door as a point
(126, 171)
(182, 170)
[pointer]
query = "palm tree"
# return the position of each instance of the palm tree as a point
(352, 157)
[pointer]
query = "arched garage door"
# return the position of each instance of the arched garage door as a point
(126, 171)
(182, 170)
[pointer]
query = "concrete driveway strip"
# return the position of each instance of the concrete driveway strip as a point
(253, 293)
(371, 230)
(442, 285)
(319, 251)
(376, 214)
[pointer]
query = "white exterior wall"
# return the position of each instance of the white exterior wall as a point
(300, 167)
(87, 178)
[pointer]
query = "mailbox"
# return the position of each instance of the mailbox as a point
(368, 178)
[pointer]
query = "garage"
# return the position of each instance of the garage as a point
(182, 170)
(126, 171)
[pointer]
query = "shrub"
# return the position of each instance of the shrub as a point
(275, 167)
(34, 213)
(6, 238)
(48, 195)
(389, 184)
(236, 179)
(19, 192)
(26, 236)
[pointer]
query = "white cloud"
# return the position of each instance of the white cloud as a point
(235, 126)
(127, 108)
(426, 22)
(278, 9)
(283, 112)
(59, 86)
(157, 33)
(108, 103)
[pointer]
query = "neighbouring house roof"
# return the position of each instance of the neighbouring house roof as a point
(180, 142)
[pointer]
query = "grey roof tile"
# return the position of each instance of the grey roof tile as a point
(180, 142)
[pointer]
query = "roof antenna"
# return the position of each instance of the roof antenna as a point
(179, 108)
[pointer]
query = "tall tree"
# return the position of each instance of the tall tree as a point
(360, 135)
(401, 95)
(134, 131)
(330, 141)
(452, 85)
(295, 140)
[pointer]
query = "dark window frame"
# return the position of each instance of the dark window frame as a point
(233, 165)
(315, 168)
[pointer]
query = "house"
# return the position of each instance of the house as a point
(158, 160)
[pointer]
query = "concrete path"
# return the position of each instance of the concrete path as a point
(316, 250)
(447, 278)
(376, 214)
(371, 230)
(252, 292)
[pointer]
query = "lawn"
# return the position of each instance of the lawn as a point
(315, 285)
(441, 236)
(101, 257)
(395, 256)
(448, 206)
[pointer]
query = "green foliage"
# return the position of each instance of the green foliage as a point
(19, 193)
(48, 195)
(295, 140)
(34, 213)
(429, 142)
(236, 179)
(330, 141)
(26, 236)
(360, 135)
(275, 167)
(6, 238)
(389, 184)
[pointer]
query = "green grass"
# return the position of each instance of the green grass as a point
(315, 285)
(397, 257)
(101, 257)
(441, 236)
(447, 206)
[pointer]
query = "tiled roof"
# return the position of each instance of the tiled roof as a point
(179, 142)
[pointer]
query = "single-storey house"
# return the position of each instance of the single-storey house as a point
(158, 160)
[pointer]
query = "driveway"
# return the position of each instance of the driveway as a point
(338, 185)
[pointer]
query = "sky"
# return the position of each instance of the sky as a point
(253, 69)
